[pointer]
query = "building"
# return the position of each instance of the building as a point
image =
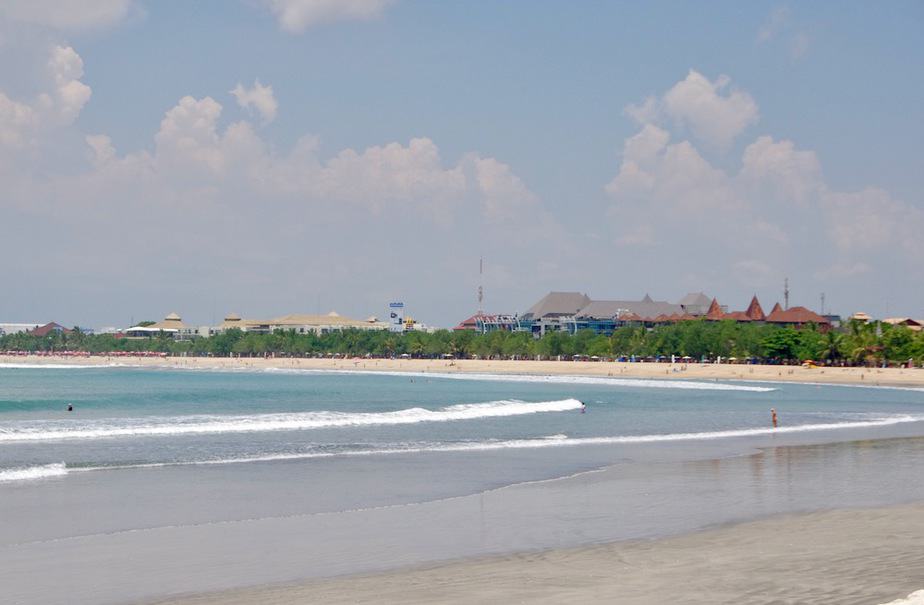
(554, 312)
(49, 328)
(695, 303)
(172, 325)
(301, 324)
(484, 323)
(16, 328)
(573, 311)
(911, 324)
(794, 316)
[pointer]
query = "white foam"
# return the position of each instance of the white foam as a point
(841, 384)
(558, 440)
(915, 598)
(202, 424)
(547, 379)
(29, 473)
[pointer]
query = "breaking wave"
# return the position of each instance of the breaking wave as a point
(28, 473)
(548, 441)
(203, 424)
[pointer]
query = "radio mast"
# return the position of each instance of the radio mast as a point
(786, 293)
(480, 288)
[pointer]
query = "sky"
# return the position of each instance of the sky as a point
(267, 157)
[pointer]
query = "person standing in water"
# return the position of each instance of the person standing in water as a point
(583, 407)
(70, 407)
(773, 417)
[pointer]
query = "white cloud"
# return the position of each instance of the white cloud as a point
(870, 220)
(67, 14)
(101, 149)
(70, 94)
(713, 112)
(712, 116)
(298, 15)
(778, 166)
(259, 98)
(773, 216)
(780, 25)
(21, 123)
(777, 21)
(17, 120)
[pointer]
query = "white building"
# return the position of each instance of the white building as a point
(12, 328)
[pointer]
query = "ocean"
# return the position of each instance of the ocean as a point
(163, 482)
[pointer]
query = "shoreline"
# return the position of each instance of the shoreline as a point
(855, 376)
(849, 556)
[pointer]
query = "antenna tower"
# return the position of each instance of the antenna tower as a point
(822, 303)
(480, 288)
(786, 293)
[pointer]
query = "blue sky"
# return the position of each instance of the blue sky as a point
(525, 104)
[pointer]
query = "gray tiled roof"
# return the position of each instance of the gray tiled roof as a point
(605, 309)
(558, 303)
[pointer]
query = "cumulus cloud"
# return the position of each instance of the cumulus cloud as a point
(712, 116)
(713, 111)
(296, 16)
(771, 216)
(778, 166)
(259, 98)
(101, 149)
(67, 14)
(395, 220)
(22, 122)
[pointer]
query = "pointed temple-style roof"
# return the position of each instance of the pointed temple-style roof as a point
(775, 312)
(754, 311)
(715, 311)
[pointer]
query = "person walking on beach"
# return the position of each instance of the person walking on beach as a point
(773, 416)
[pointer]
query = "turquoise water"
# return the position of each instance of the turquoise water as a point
(128, 417)
(382, 470)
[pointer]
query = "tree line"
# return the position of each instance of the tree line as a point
(856, 343)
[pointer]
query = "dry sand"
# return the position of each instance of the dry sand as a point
(692, 371)
(845, 557)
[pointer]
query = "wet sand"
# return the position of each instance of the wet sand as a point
(848, 557)
(903, 377)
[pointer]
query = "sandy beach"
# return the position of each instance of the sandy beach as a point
(903, 377)
(847, 557)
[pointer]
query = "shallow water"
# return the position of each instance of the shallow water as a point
(218, 479)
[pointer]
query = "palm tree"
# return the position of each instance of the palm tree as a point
(831, 347)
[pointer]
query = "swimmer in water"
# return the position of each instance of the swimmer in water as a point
(70, 407)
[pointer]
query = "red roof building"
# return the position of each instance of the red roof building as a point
(469, 324)
(48, 329)
(755, 312)
(796, 316)
(715, 311)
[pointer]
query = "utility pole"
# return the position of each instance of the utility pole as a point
(822, 303)
(786, 293)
